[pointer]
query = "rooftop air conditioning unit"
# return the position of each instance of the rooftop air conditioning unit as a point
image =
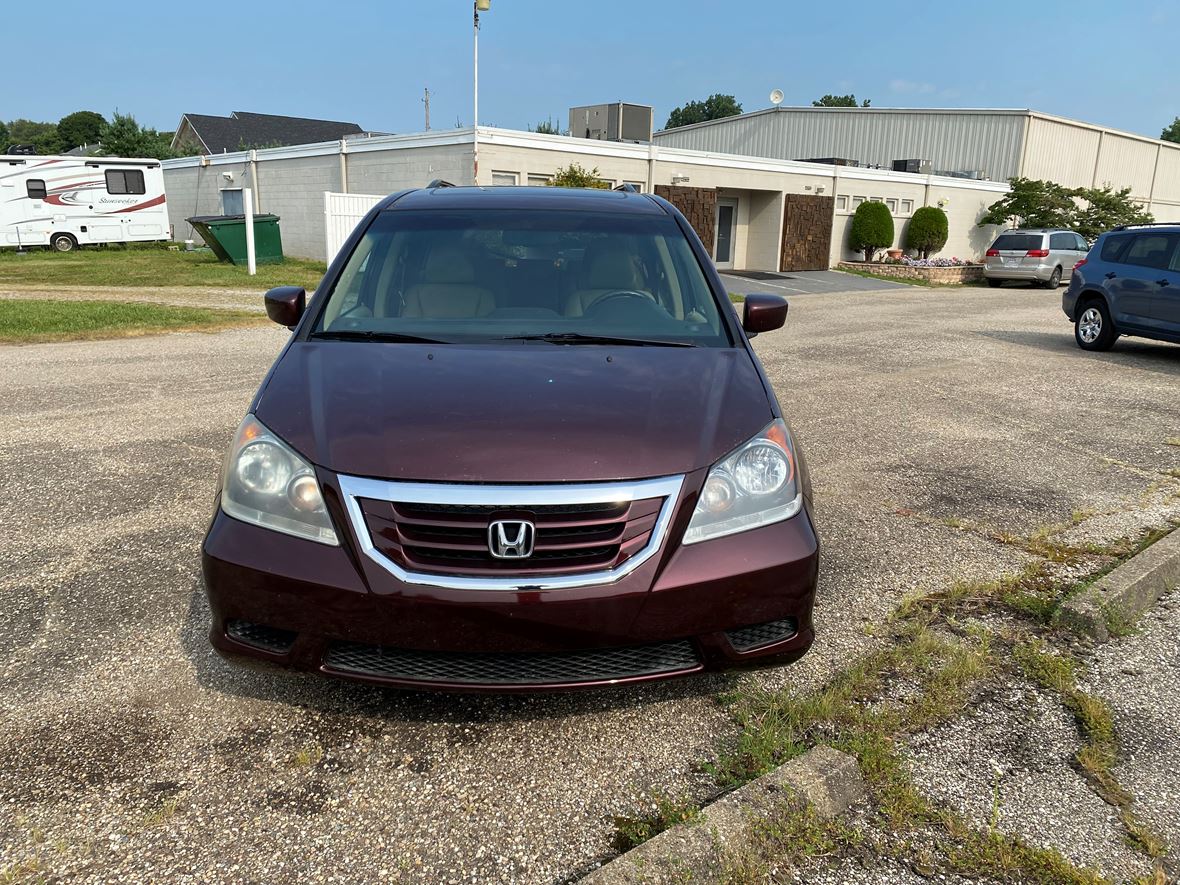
(921, 167)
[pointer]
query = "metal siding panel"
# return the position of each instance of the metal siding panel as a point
(1126, 162)
(1167, 176)
(1062, 153)
(952, 141)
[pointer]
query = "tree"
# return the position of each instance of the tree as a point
(79, 128)
(546, 127)
(5, 137)
(927, 231)
(1032, 203)
(574, 175)
(1172, 132)
(1088, 210)
(1105, 208)
(124, 137)
(871, 228)
(840, 101)
(714, 107)
(42, 136)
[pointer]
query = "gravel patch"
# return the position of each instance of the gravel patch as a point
(1008, 762)
(1139, 676)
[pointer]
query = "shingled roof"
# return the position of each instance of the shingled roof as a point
(242, 130)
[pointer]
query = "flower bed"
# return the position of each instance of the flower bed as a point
(938, 271)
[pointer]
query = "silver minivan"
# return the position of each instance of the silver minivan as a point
(1039, 256)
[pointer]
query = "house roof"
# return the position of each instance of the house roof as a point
(241, 130)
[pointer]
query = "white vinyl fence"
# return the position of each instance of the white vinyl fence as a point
(342, 213)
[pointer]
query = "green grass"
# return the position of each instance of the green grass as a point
(632, 831)
(148, 265)
(28, 321)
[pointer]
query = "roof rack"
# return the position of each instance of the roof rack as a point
(438, 182)
(1148, 224)
(627, 188)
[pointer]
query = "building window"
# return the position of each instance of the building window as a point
(891, 202)
(540, 180)
(232, 202)
(35, 188)
(856, 201)
(504, 179)
(876, 200)
(638, 185)
(907, 207)
(842, 203)
(607, 182)
(125, 181)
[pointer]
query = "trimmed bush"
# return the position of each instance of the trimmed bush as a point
(871, 229)
(927, 231)
(574, 175)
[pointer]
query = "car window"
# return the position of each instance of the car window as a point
(1151, 250)
(1017, 242)
(1174, 264)
(1083, 246)
(1062, 242)
(1113, 248)
(489, 275)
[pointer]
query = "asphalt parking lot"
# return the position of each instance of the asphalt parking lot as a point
(129, 751)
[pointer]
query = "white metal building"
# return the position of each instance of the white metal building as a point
(997, 144)
(749, 210)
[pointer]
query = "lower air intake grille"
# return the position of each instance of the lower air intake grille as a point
(261, 636)
(761, 634)
(511, 669)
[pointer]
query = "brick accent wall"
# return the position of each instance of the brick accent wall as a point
(943, 276)
(807, 232)
(699, 206)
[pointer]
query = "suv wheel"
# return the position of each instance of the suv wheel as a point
(1093, 329)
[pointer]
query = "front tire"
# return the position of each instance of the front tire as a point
(1055, 280)
(63, 243)
(1093, 329)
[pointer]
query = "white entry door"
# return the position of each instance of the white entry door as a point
(723, 238)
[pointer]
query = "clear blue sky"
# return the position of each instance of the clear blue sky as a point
(368, 60)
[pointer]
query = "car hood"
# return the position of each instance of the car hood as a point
(512, 413)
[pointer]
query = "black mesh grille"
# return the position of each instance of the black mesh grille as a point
(261, 636)
(761, 634)
(512, 669)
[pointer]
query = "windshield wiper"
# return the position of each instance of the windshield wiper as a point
(579, 338)
(372, 335)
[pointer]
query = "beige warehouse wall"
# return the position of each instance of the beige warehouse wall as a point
(1125, 162)
(1167, 176)
(526, 161)
(1060, 152)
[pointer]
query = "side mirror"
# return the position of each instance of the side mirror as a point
(763, 313)
(285, 304)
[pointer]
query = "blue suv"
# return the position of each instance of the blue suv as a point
(1129, 284)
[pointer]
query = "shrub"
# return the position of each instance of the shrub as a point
(927, 231)
(574, 175)
(872, 229)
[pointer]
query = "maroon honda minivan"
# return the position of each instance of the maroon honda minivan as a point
(518, 440)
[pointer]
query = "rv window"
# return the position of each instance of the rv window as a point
(35, 188)
(125, 181)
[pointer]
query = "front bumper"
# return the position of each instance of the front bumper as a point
(743, 598)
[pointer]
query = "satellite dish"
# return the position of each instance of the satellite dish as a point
(776, 97)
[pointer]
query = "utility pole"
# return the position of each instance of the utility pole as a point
(426, 101)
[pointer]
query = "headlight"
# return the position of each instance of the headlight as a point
(754, 485)
(266, 483)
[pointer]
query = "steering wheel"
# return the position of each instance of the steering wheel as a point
(620, 294)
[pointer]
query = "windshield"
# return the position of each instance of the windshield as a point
(556, 277)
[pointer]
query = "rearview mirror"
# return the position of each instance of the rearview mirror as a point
(285, 304)
(763, 313)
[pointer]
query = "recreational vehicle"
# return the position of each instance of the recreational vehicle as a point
(66, 202)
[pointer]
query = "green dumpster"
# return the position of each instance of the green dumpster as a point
(226, 236)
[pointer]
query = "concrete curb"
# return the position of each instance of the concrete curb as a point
(1127, 592)
(825, 779)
